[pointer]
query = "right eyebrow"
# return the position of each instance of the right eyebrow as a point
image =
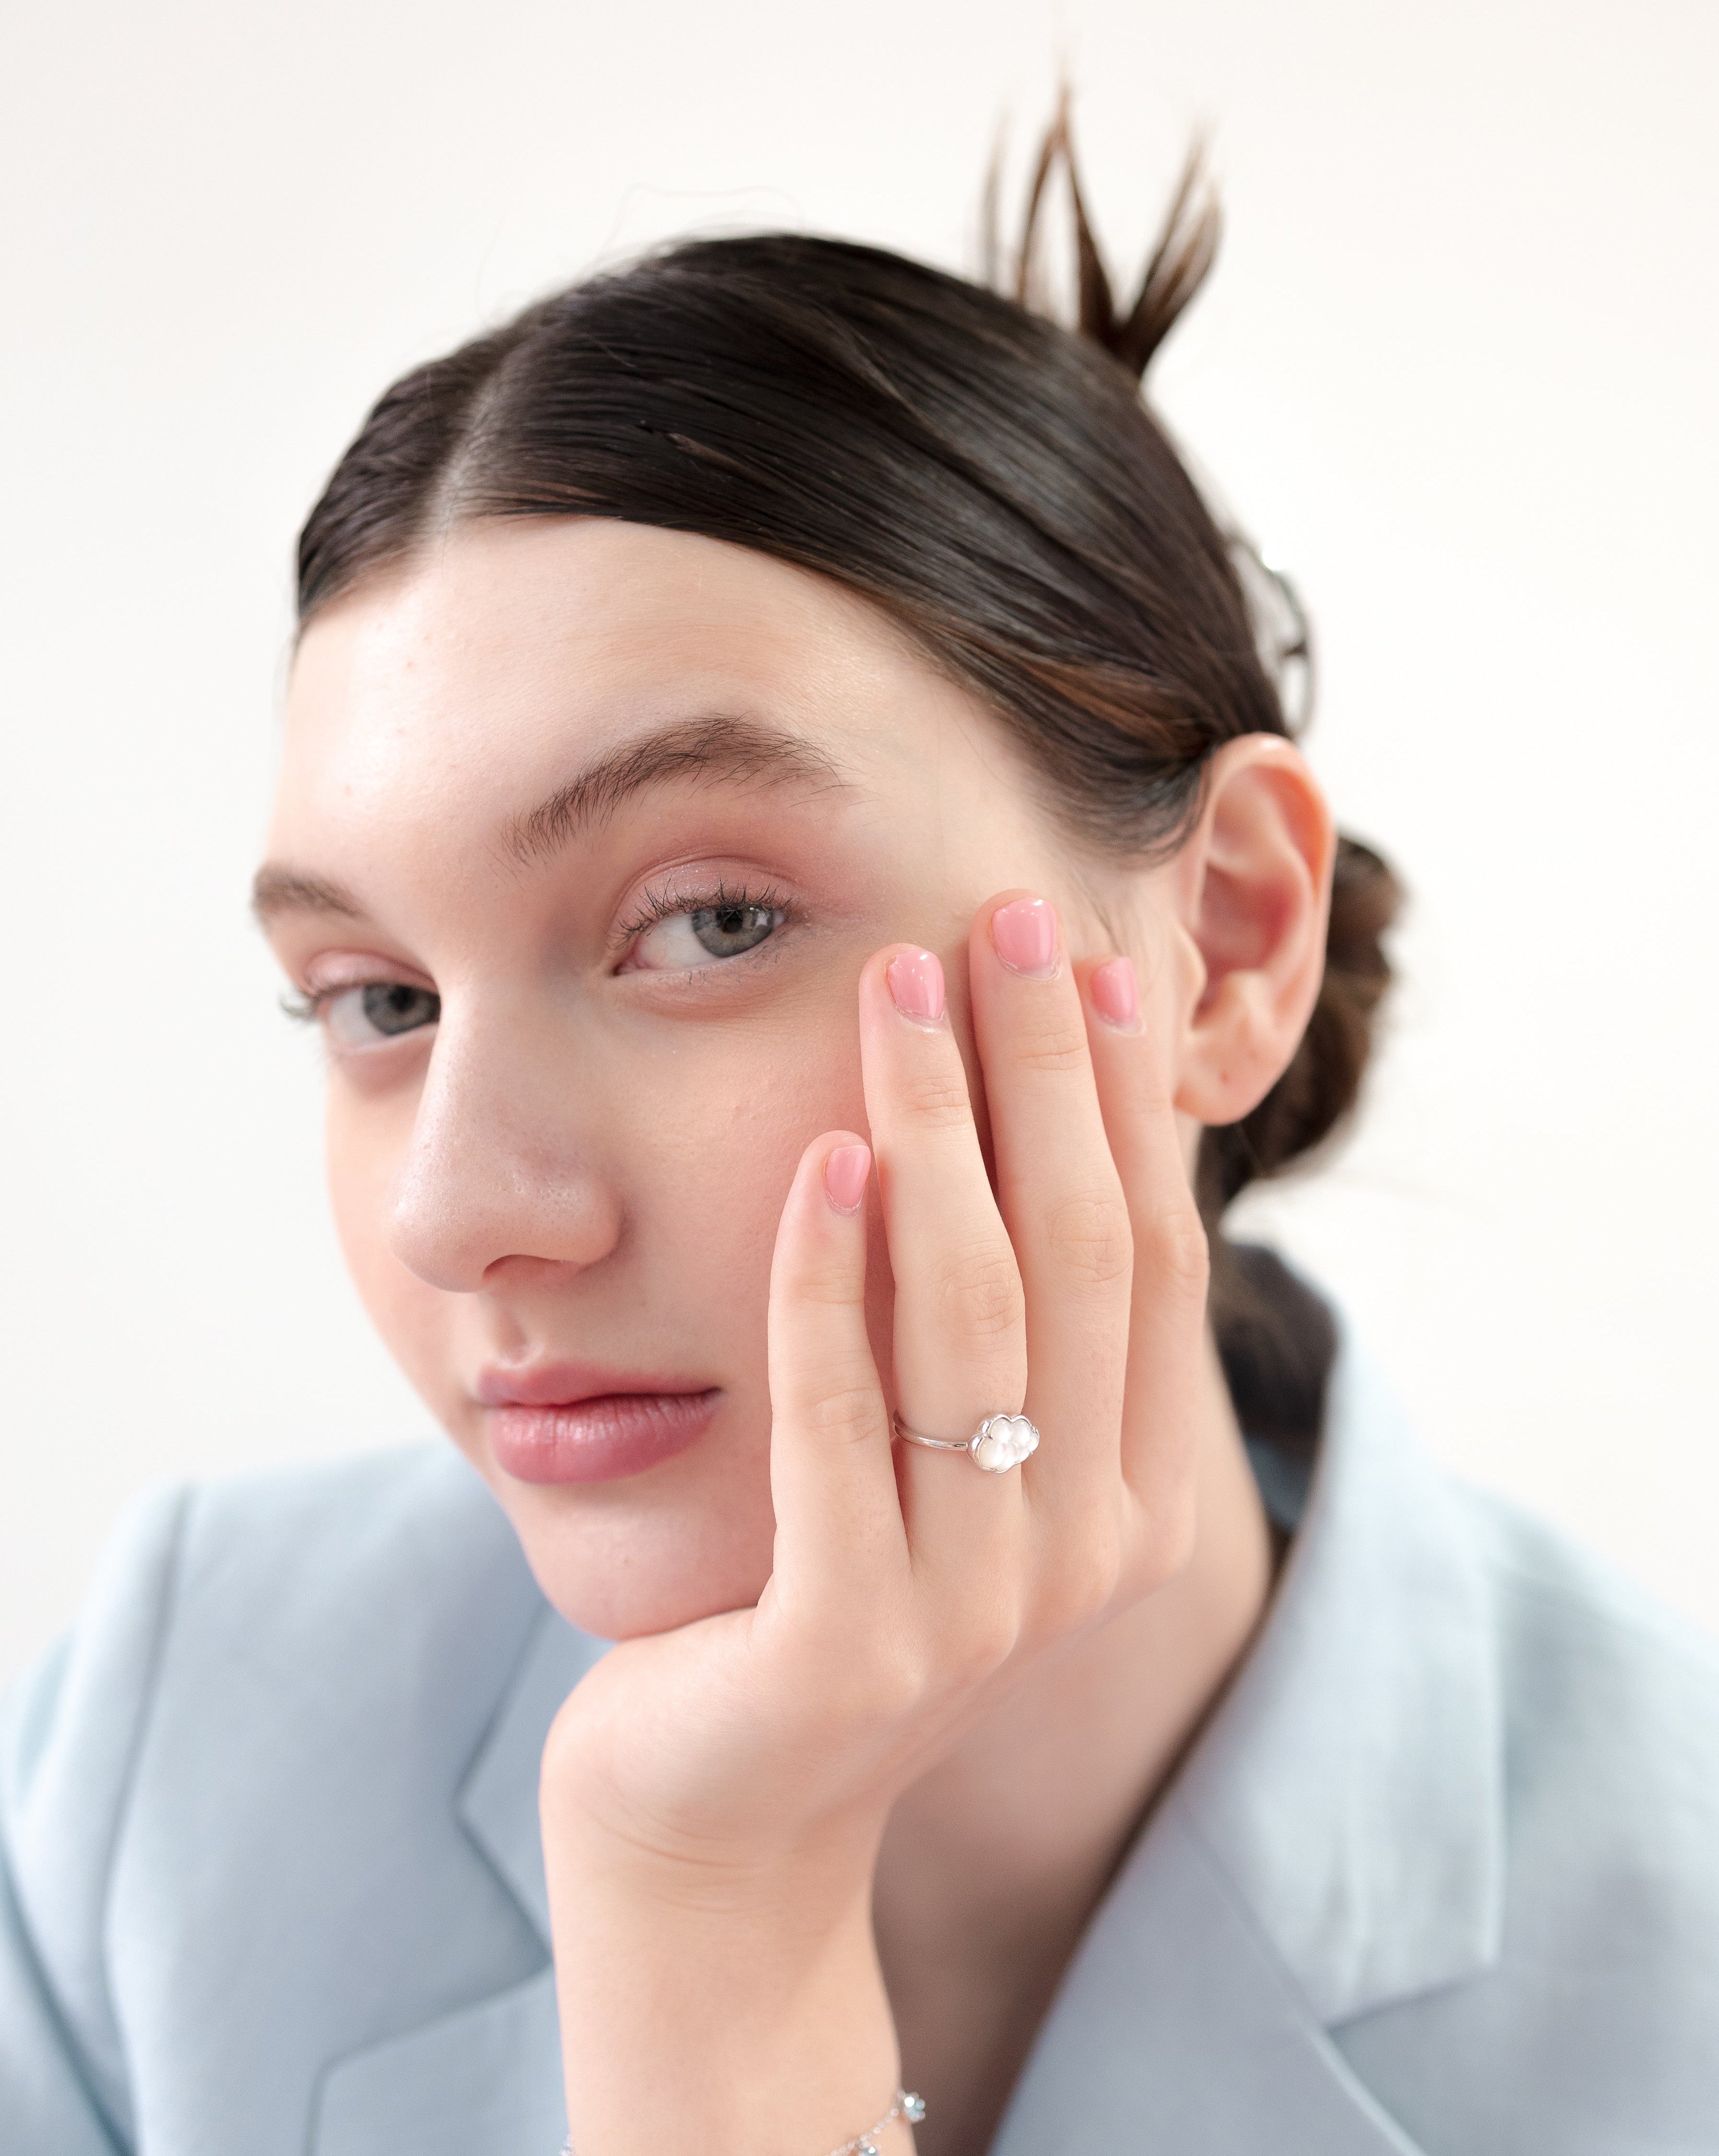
(717, 747)
(277, 889)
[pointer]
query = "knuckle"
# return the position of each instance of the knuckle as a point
(832, 1286)
(936, 1098)
(1055, 1045)
(850, 1412)
(1174, 1244)
(980, 1292)
(1091, 1238)
(872, 1690)
(1084, 1588)
(1169, 1540)
(976, 1647)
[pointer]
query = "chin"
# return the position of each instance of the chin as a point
(619, 1572)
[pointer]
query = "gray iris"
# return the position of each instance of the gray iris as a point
(726, 930)
(392, 1006)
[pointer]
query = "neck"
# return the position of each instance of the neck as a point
(994, 1862)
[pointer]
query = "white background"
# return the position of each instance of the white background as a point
(1457, 370)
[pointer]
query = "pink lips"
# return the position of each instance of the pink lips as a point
(576, 1422)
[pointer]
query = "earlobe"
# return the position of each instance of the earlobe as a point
(1255, 896)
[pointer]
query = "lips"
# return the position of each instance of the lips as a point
(568, 1422)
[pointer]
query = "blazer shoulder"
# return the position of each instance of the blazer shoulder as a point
(98, 1676)
(1610, 1716)
(1597, 1678)
(288, 1594)
(342, 1551)
(266, 1565)
(1592, 2027)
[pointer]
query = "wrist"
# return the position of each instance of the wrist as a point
(720, 2012)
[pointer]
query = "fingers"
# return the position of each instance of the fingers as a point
(960, 1337)
(1062, 1199)
(838, 1529)
(1133, 1067)
(1077, 1289)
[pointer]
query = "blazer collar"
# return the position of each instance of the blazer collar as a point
(487, 2075)
(497, 1804)
(1351, 1786)
(1178, 2028)
(1334, 1841)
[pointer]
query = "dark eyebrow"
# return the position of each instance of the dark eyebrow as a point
(276, 890)
(733, 751)
(729, 749)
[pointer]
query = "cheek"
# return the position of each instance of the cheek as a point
(700, 1131)
(712, 1137)
(360, 1154)
(364, 1142)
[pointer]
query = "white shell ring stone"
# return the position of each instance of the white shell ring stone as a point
(1000, 1442)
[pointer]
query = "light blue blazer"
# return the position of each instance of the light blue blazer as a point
(1442, 1874)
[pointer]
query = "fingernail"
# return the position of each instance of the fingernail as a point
(917, 983)
(1115, 995)
(844, 1176)
(1024, 933)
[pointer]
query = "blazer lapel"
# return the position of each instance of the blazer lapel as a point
(485, 2081)
(486, 2078)
(1177, 2028)
(1333, 1844)
(497, 1803)
(1351, 1786)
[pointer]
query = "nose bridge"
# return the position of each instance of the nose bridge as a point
(498, 1164)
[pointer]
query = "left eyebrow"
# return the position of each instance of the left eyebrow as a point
(731, 751)
(277, 889)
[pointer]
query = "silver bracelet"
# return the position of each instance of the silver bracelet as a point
(907, 2105)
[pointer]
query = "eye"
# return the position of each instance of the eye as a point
(377, 1011)
(703, 935)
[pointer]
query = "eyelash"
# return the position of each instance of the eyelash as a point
(305, 1006)
(664, 906)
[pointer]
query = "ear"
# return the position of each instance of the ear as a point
(1253, 888)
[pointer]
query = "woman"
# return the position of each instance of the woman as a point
(793, 841)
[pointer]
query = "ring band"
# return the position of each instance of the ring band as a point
(1000, 1442)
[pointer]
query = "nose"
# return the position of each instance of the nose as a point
(499, 1166)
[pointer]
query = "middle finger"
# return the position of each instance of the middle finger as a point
(1061, 1198)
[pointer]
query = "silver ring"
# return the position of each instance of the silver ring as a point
(1000, 1442)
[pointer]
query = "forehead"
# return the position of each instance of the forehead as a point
(507, 645)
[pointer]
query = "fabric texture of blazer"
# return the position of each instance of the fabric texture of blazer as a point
(1441, 1874)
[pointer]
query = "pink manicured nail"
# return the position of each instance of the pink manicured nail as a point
(844, 1176)
(917, 983)
(1024, 933)
(1115, 995)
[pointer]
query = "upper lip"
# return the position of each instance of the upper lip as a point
(560, 1384)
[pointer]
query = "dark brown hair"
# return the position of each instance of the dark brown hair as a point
(990, 478)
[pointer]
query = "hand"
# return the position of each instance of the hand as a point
(720, 1790)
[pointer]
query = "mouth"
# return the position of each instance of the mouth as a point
(570, 1423)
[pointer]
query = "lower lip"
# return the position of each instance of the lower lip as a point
(598, 1441)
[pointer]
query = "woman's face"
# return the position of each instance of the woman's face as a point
(585, 830)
